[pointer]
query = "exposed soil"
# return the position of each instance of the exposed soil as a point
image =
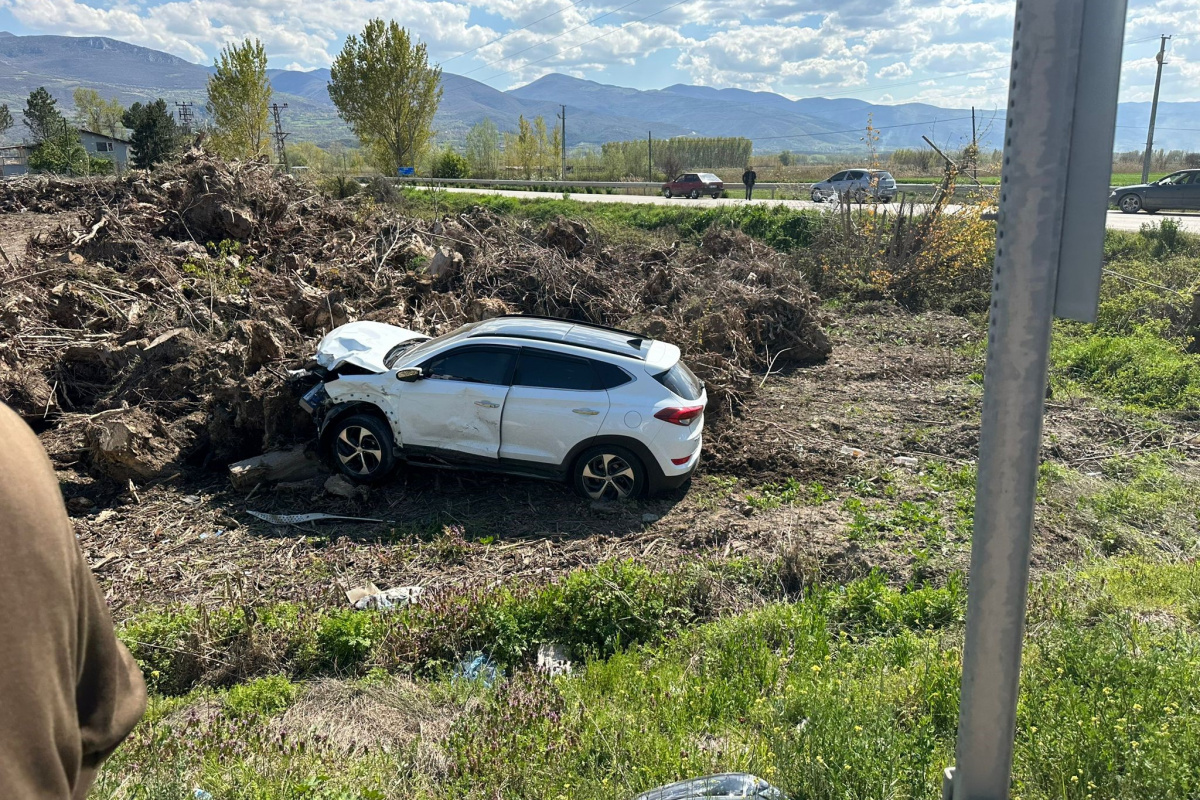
(148, 361)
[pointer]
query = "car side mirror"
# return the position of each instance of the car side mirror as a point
(410, 374)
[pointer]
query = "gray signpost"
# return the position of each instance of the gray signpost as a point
(1049, 239)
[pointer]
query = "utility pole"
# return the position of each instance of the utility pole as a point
(280, 136)
(1162, 51)
(1062, 107)
(563, 144)
(185, 116)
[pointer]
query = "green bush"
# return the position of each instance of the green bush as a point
(345, 638)
(450, 165)
(263, 697)
(1140, 369)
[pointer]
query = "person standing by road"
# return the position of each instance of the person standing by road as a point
(69, 690)
(748, 178)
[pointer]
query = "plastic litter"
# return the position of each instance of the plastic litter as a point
(554, 659)
(905, 461)
(847, 450)
(296, 519)
(727, 784)
(476, 667)
(372, 597)
(200, 794)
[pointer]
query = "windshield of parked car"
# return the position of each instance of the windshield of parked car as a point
(402, 349)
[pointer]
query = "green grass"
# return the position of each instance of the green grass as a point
(846, 693)
(1140, 369)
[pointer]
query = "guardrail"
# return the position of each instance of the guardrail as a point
(645, 186)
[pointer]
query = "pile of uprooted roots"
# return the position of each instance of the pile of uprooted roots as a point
(152, 327)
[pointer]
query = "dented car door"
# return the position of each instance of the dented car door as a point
(458, 405)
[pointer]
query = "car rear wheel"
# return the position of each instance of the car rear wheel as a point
(609, 472)
(667, 193)
(716, 195)
(695, 194)
(1130, 203)
(361, 448)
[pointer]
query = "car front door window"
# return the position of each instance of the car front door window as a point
(473, 365)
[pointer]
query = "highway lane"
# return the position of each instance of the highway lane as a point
(1116, 220)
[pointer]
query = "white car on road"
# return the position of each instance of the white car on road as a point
(616, 413)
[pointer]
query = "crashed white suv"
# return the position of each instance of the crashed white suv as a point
(615, 412)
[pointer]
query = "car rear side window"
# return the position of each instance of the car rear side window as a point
(841, 176)
(541, 369)
(680, 380)
(491, 365)
(610, 376)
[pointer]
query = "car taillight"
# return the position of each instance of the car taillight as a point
(679, 462)
(680, 416)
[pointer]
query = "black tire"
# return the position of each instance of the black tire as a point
(361, 447)
(667, 193)
(1129, 203)
(695, 194)
(716, 196)
(608, 472)
(816, 198)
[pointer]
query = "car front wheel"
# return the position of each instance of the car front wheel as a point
(361, 447)
(667, 193)
(1130, 203)
(609, 472)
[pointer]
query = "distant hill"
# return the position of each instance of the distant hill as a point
(596, 112)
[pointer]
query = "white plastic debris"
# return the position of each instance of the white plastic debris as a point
(729, 784)
(854, 452)
(296, 519)
(554, 659)
(905, 461)
(372, 597)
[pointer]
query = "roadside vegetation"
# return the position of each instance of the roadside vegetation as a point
(828, 687)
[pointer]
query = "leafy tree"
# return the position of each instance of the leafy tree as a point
(98, 115)
(385, 90)
(156, 137)
(6, 120)
(785, 158)
(522, 147)
(238, 98)
(42, 116)
(669, 160)
(450, 165)
(483, 149)
(60, 151)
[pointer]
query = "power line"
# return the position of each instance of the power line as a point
(515, 30)
(858, 130)
(552, 38)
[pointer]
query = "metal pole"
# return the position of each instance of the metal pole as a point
(975, 147)
(650, 158)
(563, 143)
(1046, 98)
(1162, 50)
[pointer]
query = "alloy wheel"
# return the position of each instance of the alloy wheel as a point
(608, 477)
(358, 450)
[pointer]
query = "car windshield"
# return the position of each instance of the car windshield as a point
(403, 349)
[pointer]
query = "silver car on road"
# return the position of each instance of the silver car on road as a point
(856, 186)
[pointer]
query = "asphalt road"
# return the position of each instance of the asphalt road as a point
(1116, 219)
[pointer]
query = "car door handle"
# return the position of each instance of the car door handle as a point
(587, 412)
(486, 404)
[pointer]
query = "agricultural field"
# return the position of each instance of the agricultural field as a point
(796, 612)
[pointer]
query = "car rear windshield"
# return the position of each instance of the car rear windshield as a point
(680, 380)
(708, 177)
(881, 174)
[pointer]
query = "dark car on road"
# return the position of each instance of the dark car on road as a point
(694, 184)
(1177, 191)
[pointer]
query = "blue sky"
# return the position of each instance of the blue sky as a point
(952, 52)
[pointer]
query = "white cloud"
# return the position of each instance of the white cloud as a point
(893, 71)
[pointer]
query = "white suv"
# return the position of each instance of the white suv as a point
(615, 412)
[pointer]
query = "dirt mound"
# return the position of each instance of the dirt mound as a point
(174, 304)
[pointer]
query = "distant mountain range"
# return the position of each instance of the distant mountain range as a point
(596, 112)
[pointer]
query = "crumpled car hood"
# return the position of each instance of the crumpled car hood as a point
(362, 344)
(711, 787)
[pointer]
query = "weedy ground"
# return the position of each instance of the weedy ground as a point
(797, 613)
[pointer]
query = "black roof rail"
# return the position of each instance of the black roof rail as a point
(581, 345)
(632, 334)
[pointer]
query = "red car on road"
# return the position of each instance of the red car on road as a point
(694, 184)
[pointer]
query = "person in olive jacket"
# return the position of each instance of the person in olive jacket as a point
(748, 178)
(69, 690)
